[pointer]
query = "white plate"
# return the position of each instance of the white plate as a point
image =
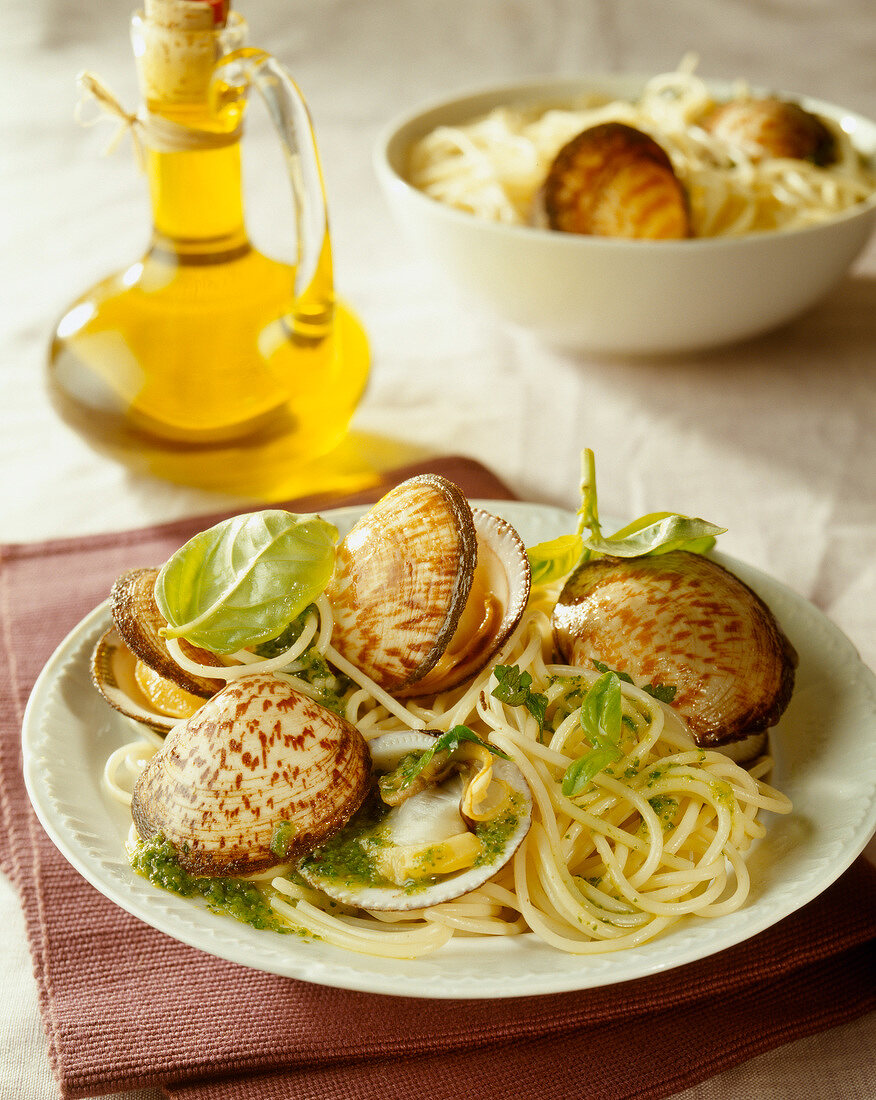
(825, 762)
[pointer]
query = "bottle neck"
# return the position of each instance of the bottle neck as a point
(197, 204)
(197, 201)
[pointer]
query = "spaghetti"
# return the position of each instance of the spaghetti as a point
(659, 835)
(494, 166)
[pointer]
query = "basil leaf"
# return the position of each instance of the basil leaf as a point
(663, 693)
(513, 688)
(244, 580)
(601, 719)
(601, 710)
(549, 561)
(579, 774)
(671, 532)
(450, 741)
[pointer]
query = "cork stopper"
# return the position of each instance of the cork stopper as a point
(176, 44)
(186, 15)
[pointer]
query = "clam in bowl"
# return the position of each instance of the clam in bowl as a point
(608, 293)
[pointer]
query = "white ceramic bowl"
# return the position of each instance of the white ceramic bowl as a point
(619, 296)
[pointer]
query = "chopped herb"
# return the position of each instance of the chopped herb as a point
(515, 688)
(282, 838)
(663, 693)
(601, 720)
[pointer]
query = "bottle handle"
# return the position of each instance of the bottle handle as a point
(235, 73)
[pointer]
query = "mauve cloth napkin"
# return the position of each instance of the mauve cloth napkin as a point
(127, 1007)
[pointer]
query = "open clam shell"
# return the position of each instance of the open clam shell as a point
(425, 589)
(682, 620)
(139, 622)
(256, 758)
(345, 871)
(113, 671)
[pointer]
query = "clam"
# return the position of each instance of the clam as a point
(259, 776)
(443, 840)
(139, 623)
(615, 181)
(681, 620)
(135, 690)
(426, 589)
(772, 127)
(131, 666)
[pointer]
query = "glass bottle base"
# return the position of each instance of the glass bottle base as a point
(268, 454)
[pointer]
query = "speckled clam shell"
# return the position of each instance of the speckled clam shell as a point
(139, 622)
(680, 619)
(401, 580)
(386, 751)
(612, 180)
(258, 753)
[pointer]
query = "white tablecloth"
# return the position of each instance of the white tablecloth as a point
(775, 439)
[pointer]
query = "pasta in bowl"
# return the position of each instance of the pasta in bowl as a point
(756, 240)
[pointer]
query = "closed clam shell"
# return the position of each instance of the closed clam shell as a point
(772, 128)
(612, 180)
(139, 623)
(254, 756)
(681, 620)
(425, 589)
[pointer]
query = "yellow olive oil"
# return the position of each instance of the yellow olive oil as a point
(198, 362)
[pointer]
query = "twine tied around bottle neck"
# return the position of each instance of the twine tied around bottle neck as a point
(147, 130)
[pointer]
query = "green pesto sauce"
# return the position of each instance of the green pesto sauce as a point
(665, 809)
(348, 857)
(401, 774)
(330, 687)
(156, 860)
(494, 834)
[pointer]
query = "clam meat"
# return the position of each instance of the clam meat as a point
(259, 776)
(413, 845)
(426, 589)
(612, 180)
(681, 620)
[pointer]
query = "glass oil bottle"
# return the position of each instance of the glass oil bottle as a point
(207, 362)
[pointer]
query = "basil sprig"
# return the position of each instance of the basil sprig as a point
(515, 688)
(656, 533)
